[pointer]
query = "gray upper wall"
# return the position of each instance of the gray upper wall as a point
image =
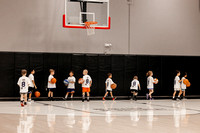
(157, 27)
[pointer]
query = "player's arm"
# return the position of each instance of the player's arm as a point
(34, 84)
(91, 82)
(139, 86)
(18, 83)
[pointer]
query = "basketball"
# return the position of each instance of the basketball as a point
(114, 86)
(186, 82)
(66, 82)
(80, 81)
(156, 81)
(53, 80)
(37, 94)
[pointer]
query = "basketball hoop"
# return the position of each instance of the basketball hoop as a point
(90, 29)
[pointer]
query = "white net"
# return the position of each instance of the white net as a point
(90, 30)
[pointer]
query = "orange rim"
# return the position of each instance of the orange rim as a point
(87, 24)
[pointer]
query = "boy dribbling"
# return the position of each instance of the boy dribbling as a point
(108, 84)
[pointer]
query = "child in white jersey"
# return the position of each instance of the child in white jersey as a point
(135, 85)
(32, 85)
(177, 85)
(108, 84)
(183, 86)
(23, 84)
(71, 86)
(87, 83)
(50, 85)
(150, 84)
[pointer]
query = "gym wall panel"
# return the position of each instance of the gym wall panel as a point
(122, 67)
(7, 74)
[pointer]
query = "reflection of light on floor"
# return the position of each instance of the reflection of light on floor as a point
(25, 122)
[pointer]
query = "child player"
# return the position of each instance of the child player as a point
(50, 85)
(108, 84)
(32, 85)
(177, 86)
(150, 84)
(183, 86)
(135, 84)
(23, 84)
(87, 82)
(71, 86)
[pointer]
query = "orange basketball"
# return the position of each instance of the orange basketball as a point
(156, 81)
(37, 94)
(53, 80)
(80, 81)
(186, 82)
(114, 86)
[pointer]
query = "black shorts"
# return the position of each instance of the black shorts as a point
(51, 89)
(30, 89)
(134, 90)
(108, 90)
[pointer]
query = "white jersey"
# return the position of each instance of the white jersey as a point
(31, 77)
(183, 86)
(135, 84)
(50, 85)
(87, 79)
(150, 82)
(24, 83)
(177, 84)
(71, 85)
(109, 82)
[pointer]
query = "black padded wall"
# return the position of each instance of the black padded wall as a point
(123, 67)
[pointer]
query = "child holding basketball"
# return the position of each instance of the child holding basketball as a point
(86, 84)
(150, 84)
(183, 86)
(108, 84)
(135, 84)
(32, 85)
(177, 85)
(71, 86)
(51, 86)
(23, 84)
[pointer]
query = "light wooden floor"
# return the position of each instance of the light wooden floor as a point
(158, 116)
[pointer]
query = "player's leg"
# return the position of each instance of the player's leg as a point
(184, 94)
(72, 94)
(25, 99)
(135, 95)
(174, 95)
(88, 96)
(104, 98)
(49, 95)
(22, 100)
(179, 95)
(111, 94)
(150, 93)
(52, 95)
(67, 94)
(83, 96)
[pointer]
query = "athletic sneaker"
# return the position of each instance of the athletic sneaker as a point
(22, 105)
(25, 103)
(29, 100)
(88, 100)
(104, 99)
(82, 100)
(114, 98)
(64, 98)
(179, 98)
(174, 98)
(150, 98)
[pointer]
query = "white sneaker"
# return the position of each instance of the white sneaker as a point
(29, 100)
